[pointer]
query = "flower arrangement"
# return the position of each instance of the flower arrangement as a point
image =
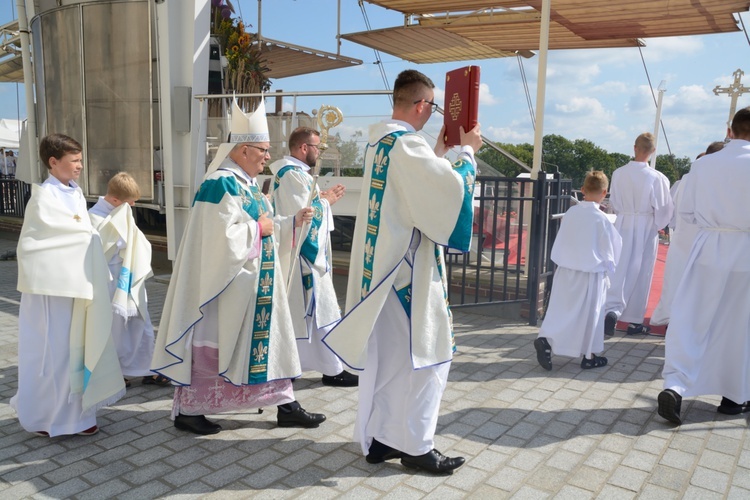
(245, 71)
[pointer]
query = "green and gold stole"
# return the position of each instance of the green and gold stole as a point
(310, 246)
(255, 206)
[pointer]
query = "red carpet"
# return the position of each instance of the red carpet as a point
(655, 293)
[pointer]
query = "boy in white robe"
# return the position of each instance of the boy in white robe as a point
(640, 197)
(67, 363)
(312, 298)
(586, 251)
(398, 326)
(128, 255)
(708, 346)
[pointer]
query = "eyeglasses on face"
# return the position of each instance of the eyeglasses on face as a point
(433, 106)
(316, 146)
(265, 151)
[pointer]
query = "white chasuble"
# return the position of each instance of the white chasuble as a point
(416, 200)
(252, 329)
(312, 297)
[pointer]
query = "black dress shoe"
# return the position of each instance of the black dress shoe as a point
(433, 461)
(637, 329)
(380, 452)
(299, 417)
(343, 379)
(729, 407)
(669, 406)
(610, 322)
(197, 424)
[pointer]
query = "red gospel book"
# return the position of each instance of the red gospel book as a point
(461, 102)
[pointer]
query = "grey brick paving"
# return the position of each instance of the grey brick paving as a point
(525, 433)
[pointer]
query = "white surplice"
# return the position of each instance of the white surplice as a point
(133, 335)
(680, 243)
(405, 356)
(708, 345)
(586, 251)
(315, 309)
(640, 197)
(62, 277)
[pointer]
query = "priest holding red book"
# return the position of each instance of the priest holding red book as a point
(397, 327)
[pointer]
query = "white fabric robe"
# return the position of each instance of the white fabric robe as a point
(680, 243)
(586, 251)
(426, 202)
(640, 197)
(67, 364)
(133, 335)
(314, 311)
(217, 266)
(708, 346)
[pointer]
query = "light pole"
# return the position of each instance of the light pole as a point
(662, 88)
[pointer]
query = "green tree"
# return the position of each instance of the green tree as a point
(589, 156)
(574, 158)
(508, 168)
(351, 155)
(618, 160)
(666, 165)
(558, 155)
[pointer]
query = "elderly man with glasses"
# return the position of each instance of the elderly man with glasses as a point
(226, 338)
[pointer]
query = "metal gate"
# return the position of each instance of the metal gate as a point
(512, 238)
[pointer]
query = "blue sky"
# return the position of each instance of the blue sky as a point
(601, 95)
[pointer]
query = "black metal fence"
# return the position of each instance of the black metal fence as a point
(14, 195)
(512, 240)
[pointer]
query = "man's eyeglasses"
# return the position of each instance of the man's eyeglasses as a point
(433, 106)
(262, 150)
(316, 146)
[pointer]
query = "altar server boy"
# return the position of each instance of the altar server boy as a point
(128, 254)
(586, 252)
(67, 364)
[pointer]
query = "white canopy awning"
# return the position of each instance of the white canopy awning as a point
(10, 133)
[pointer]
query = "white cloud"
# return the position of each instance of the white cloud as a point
(641, 100)
(610, 88)
(662, 49)
(588, 107)
(511, 135)
(439, 96)
(485, 97)
(572, 74)
(349, 132)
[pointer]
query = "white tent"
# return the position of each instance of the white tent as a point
(10, 133)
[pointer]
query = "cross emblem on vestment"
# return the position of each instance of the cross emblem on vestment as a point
(734, 90)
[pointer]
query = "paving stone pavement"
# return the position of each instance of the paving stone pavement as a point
(525, 433)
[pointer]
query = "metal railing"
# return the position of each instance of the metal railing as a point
(512, 223)
(14, 195)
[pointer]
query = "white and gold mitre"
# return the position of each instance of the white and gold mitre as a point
(249, 127)
(244, 127)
